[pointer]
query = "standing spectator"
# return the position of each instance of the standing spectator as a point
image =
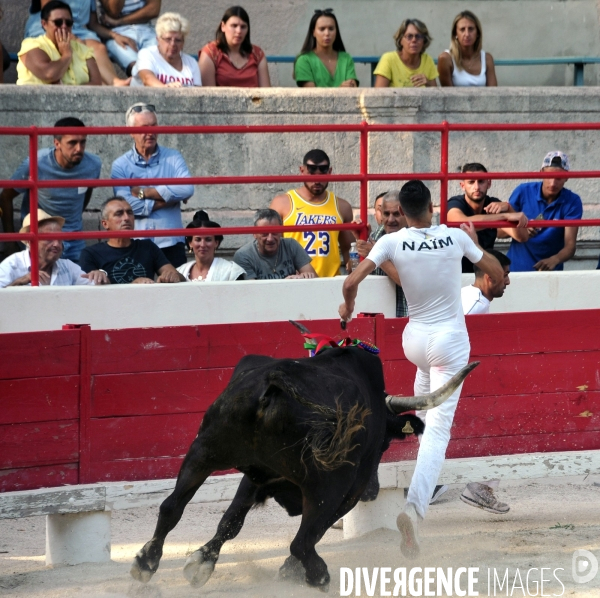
(271, 257)
(156, 207)
(56, 57)
(313, 204)
(231, 60)
(123, 259)
(81, 11)
(206, 267)
(477, 206)
(323, 60)
(546, 248)
(392, 220)
(68, 160)
(465, 64)
(15, 270)
(409, 66)
(125, 24)
(165, 64)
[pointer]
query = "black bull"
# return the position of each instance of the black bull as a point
(309, 432)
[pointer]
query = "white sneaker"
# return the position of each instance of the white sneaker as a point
(408, 525)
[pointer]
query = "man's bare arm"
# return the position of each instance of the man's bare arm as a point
(350, 288)
(282, 205)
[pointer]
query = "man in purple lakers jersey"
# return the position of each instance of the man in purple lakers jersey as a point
(312, 205)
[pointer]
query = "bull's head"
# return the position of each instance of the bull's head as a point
(402, 404)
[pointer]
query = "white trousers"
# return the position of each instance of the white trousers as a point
(439, 352)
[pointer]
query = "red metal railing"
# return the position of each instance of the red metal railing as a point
(364, 177)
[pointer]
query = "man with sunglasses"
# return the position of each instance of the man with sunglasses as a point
(159, 206)
(67, 160)
(311, 205)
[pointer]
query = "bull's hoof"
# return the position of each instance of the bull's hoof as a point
(322, 583)
(198, 568)
(292, 570)
(140, 570)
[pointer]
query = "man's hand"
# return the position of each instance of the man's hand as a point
(548, 264)
(517, 217)
(497, 207)
(468, 228)
(348, 83)
(301, 275)
(143, 280)
(169, 276)
(345, 311)
(355, 233)
(97, 277)
(125, 41)
(107, 20)
(363, 248)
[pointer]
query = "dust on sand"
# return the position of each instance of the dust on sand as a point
(546, 523)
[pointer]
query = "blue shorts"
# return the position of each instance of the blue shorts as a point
(143, 35)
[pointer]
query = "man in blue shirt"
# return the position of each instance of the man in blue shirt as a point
(155, 207)
(67, 161)
(546, 248)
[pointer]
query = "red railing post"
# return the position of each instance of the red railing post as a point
(33, 207)
(444, 171)
(364, 183)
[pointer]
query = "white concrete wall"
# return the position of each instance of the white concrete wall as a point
(132, 306)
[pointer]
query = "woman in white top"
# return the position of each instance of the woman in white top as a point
(206, 267)
(465, 64)
(165, 65)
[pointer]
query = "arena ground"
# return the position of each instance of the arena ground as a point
(548, 520)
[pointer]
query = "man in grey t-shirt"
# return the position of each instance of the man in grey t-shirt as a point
(271, 257)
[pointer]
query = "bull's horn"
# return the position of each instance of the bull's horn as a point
(437, 397)
(301, 327)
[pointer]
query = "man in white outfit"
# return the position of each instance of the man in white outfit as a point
(428, 263)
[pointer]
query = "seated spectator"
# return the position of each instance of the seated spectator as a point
(392, 220)
(271, 257)
(165, 64)
(67, 160)
(231, 60)
(81, 11)
(15, 270)
(125, 24)
(56, 56)
(465, 64)
(323, 60)
(158, 206)
(476, 205)
(127, 260)
(546, 248)
(409, 66)
(206, 267)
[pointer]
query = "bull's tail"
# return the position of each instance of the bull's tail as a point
(332, 436)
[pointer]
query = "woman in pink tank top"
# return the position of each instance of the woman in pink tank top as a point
(465, 64)
(231, 60)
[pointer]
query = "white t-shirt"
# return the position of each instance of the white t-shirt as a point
(149, 59)
(473, 301)
(428, 261)
(220, 270)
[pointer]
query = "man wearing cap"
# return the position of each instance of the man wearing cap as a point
(155, 206)
(546, 248)
(68, 160)
(15, 270)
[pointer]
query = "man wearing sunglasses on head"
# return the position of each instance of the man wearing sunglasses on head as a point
(155, 206)
(312, 205)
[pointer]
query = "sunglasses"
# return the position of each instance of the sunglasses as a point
(325, 11)
(314, 168)
(416, 36)
(143, 108)
(59, 22)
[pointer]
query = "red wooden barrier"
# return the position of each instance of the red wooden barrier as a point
(81, 405)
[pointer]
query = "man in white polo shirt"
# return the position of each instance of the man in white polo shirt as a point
(428, 263)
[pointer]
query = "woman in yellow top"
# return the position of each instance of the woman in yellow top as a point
(56, 57)
(409, 66)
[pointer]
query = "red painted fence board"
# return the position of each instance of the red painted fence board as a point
(80, 405)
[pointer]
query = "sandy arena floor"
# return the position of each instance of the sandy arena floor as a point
(547, 522)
